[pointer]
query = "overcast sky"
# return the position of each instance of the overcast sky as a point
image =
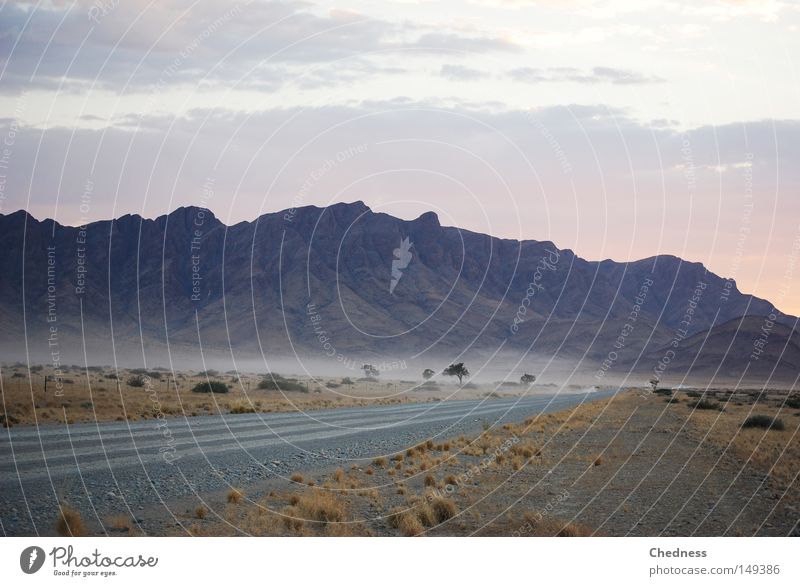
(619, 129)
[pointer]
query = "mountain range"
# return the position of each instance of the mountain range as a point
(344, 285)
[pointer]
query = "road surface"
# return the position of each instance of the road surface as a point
(124, 466)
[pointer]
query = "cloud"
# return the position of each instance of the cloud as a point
(139, 45)
(575, 75)
(464, 44)
(461, 73)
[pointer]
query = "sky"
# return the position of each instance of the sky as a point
(618, 129)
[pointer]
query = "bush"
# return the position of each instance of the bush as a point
(793, 402)
(137, 380)
(278, 383)
(663, 391)
(213, 386)
(705, 405)
(763, 422)
(693, 394)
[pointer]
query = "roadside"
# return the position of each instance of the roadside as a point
(636, 464)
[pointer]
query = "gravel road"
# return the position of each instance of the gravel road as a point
(122, 467)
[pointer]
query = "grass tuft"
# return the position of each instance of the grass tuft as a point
(69, 522)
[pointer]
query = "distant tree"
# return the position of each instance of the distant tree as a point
(654, 383)
(527, 379)
(458, 370)
(370, 370)
(347, 381)
(427, 374)
(213, 386)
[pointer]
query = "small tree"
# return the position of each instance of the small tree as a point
(527, 379)
(370, 371)
(458, 370)
(654, 383)
(427, 374)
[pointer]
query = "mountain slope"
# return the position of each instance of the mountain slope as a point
(316, 281)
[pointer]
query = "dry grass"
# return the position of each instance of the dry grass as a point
(405, 521)
(443, 509)
(767, 450)
(69, 522)
(119, 522)
(97, 395)
(235, 496)
(379, 462)
(200, 512)
(296, 477)
(320, 506)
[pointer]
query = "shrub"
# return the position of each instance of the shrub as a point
(296, 477)
(69, 522)
(663, 391)
(705, 404)
(200, 512)
(793, 402)
(235, 496)
(379, 462)
(278, 383)
(763, 422)
(694, 394)
(213, 386)
(137, 380)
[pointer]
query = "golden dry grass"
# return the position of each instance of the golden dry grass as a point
(235, 496)
(69, 522)
(119, 522)
(767, 450)
(406, 522)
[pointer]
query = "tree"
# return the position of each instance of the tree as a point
(654, 383)
(527, 379)
(458, 370)
(370, 371)
(427, 374)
